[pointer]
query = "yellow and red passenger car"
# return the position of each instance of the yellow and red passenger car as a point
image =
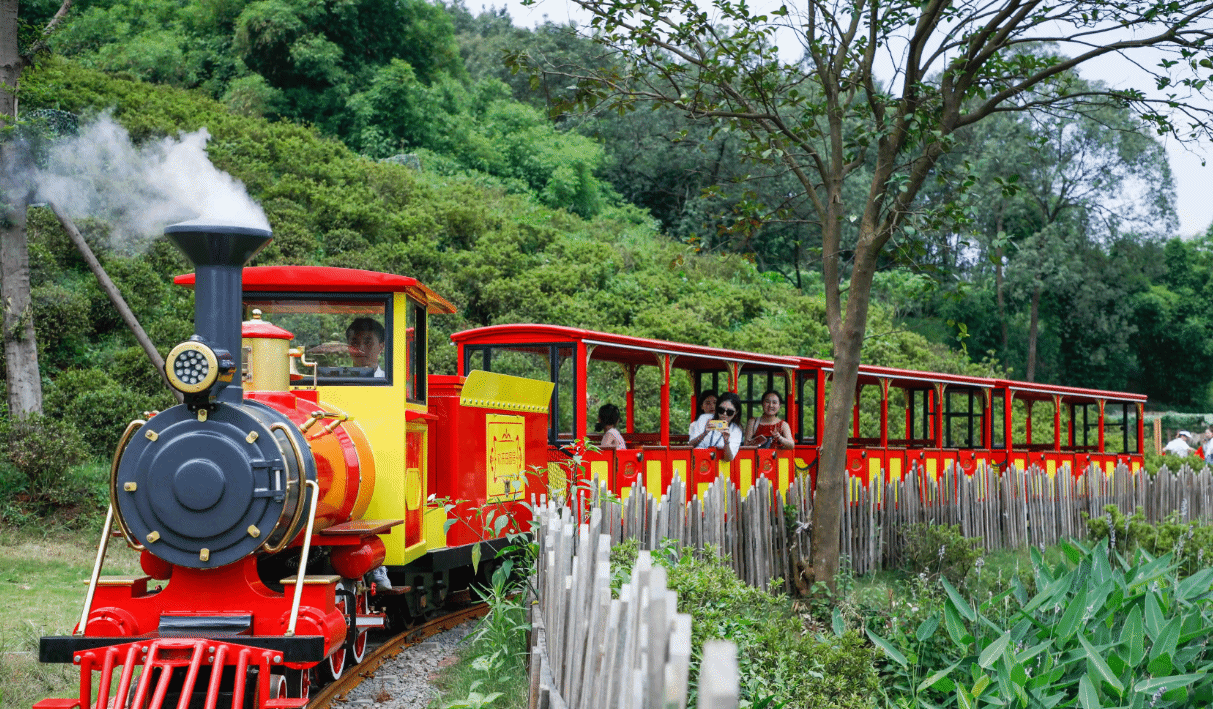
(901, 418)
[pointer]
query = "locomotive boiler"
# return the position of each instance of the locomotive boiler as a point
(306, 489)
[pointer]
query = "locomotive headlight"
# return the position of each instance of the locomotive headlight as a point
(192, 367)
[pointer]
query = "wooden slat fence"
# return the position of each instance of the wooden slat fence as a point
(770, 536)
(634, 652)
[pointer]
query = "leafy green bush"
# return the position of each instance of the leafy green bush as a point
(41, 448)
(1191, 543)
(61, 323)
(779, 661)
(98, 407)
(941, 550)
(1100, 632)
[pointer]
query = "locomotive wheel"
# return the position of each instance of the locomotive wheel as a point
(298, 683)
(357, 646)
(334, 665)
(277, 686)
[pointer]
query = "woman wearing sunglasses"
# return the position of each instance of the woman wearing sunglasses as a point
(724, 432)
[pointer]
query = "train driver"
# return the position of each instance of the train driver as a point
(365, 337)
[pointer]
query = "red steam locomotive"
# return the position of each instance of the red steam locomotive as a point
(305, 471)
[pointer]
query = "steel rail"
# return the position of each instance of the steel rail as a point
(351, 678)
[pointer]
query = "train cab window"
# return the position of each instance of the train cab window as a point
(414, 388)
(347, 341)
(546, 362)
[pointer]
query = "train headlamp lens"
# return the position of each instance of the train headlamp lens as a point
(192, 367)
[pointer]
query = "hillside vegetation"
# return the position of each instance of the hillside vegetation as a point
(495, 250)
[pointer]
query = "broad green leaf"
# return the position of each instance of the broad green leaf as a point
(1087, 696)
(888, 648)
(927, 628)
(1154, 619)
(1160, 665)
(993, 651)
(1072, 616)
(1194, 626)
(1195, 584)
(1167, 640)
(839, 625)
(1179, 695)
(935, 678)
(475, 557)
(1148, 572)
(1038, 561)
(1133, 637)
(980, 685)
(956, 627)
(1166, 684)
(1097, 598)
(962, 606)
(963, 700)
(1023, 657)
(1055, 588)
(1101, 568)
(1101, 667)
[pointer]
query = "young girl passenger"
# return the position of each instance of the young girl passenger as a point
(608, 419)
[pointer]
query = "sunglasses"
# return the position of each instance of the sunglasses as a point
(726, 412)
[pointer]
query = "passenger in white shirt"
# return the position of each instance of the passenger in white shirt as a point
(707, 412)
(1179, 446)
(728, 438)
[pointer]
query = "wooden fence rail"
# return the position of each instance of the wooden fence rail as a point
(633, 652)
(589, 651)
(769, 536)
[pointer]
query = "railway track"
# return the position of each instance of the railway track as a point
(338, 690)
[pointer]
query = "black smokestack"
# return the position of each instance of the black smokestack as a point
(219, 253)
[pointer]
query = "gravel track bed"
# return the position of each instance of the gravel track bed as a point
(404, 681)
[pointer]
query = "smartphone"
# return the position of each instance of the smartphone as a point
(717, 425)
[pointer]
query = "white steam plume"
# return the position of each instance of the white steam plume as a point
(139, 191)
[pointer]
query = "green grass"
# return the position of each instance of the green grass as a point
(491, 669)
(43, 575)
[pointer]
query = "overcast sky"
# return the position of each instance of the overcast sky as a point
(1194, 192)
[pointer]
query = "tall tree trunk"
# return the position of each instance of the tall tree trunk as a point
(1002, 307)
(1030, 375)
(20, 348)
(829, 503)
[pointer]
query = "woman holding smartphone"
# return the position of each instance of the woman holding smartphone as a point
(724, 432)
